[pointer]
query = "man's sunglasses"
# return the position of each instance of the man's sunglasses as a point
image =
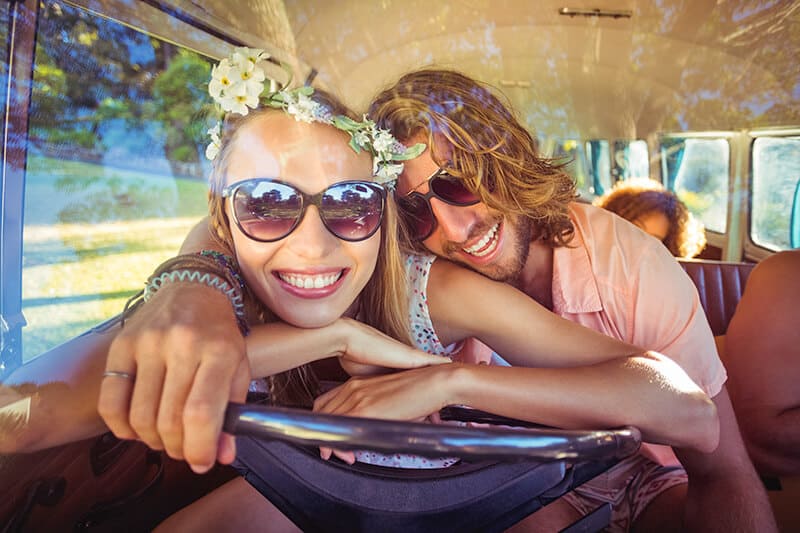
(267, 210)
(415, 208)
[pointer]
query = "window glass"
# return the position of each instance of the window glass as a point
(115, 168)
(697, 170)
(598, 160)
(776, 173)
(571, 152)
(630, 160)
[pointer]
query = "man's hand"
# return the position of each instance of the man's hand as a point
(405, 395)
(189, 360)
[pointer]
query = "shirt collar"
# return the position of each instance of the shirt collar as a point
(574, 284)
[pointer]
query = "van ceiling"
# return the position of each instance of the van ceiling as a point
(671, 65)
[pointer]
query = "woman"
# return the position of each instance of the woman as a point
(318, 268)
(659, 212)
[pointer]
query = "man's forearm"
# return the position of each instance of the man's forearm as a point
(201, 237)
(581, 397)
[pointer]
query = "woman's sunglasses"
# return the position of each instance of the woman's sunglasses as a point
(415, 208)
(267, 210)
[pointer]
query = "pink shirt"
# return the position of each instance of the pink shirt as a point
(616, 279)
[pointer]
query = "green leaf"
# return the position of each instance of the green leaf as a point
(345, 123)
(410, 153)
(354, 145)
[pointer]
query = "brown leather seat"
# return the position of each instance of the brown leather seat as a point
(720, 285)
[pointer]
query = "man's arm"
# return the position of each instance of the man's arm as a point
(762, 355)
(725, 481)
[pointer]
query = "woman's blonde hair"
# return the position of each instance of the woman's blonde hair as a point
(491, 150)
(636, 198)
(383, 303)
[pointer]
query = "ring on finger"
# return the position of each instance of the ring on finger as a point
(118, 374)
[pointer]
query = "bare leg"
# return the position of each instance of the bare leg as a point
(235, 506)
(664, 513)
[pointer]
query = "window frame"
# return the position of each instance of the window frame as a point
(751, 250)
(730, 241)
(167, 21)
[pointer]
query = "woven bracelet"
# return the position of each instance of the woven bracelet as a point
(195, 266)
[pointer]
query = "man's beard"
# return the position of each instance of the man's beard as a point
(507, 270)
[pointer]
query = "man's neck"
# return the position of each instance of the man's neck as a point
(536, 278)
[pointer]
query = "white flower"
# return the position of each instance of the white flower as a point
(220, 79)
(302, 108)
(250, 73)
(212, 150)
(215, 131)
(239, 97)
(382, 141)
(385, 172)
(361, 139)
(242, 55)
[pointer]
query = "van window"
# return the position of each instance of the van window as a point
(697, 170)
(598, 161)
(776, 173)
(630, 160)
(115, 168)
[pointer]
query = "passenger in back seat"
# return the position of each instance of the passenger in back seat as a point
(762, 356)
(659, 212)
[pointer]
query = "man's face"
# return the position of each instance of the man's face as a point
(483, 239)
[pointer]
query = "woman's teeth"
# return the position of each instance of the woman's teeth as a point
(310, 282)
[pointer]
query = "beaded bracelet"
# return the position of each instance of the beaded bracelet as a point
(210, 268)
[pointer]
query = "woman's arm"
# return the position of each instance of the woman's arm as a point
(276, 347)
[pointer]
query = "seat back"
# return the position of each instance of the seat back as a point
(720, 286)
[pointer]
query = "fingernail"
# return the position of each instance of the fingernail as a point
(200, 469)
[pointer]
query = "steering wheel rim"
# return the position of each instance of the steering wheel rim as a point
(306, 428)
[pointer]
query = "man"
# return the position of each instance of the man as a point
(516, 234)
(481, 197)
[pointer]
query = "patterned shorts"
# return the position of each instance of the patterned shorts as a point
(629, 487)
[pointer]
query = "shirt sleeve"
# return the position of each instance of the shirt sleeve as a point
(669, 318)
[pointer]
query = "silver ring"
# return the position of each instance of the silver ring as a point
(117, 374)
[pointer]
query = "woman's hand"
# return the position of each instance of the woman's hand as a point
(363, 350)
(367, 351)
(189, 360)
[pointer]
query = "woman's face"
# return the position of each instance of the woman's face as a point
(655, 223)
(310, 277)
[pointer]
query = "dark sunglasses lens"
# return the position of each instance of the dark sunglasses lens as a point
(453, 191)
(266, 211)
(416, 215)
(352, 211)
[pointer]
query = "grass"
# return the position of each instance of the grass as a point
(92, 235)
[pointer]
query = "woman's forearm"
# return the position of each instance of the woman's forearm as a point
(649, 392)
(277, 347)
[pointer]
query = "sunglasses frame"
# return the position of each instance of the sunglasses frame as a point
(306, 200)
(426, 198)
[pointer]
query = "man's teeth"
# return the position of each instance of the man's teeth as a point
(477, 249)
(310, 282)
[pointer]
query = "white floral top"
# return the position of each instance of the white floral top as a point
(418, 268)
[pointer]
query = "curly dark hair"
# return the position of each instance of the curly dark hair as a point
(634, 199)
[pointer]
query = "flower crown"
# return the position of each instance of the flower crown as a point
(239, 83)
